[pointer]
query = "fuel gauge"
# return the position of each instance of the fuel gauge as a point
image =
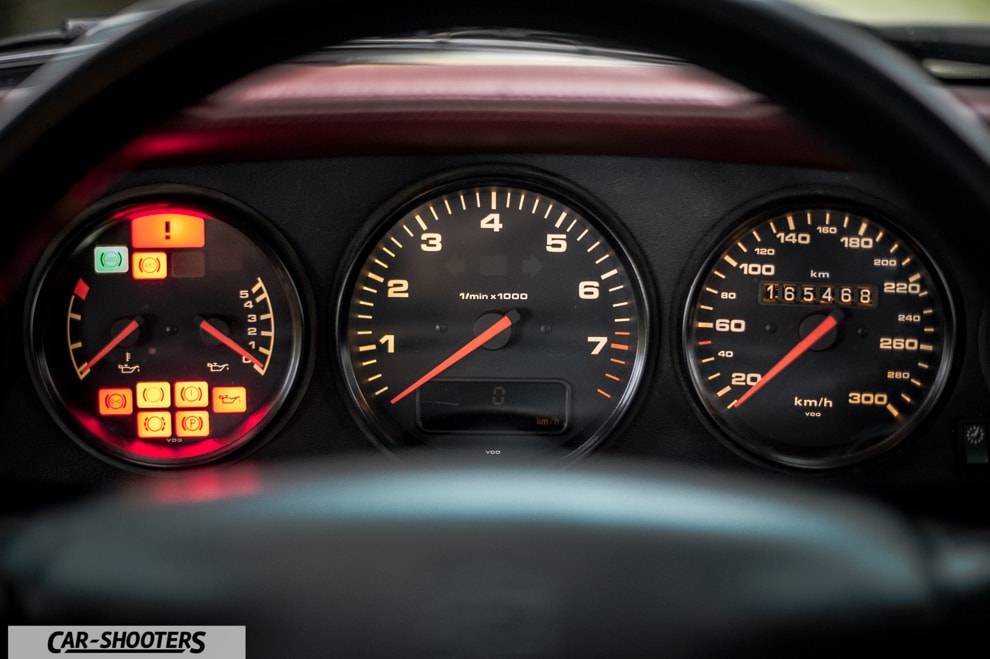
(167, 332)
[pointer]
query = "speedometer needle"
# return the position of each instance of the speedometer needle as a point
(496, 328)
(210, 329)
(823, 328)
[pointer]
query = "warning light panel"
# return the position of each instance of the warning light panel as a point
(192, 423)
(191, 394)
(152, 425)
(154, 395)
(115, 402)
(150, 265)
(113, 335)
(110, 259)
(167, 230)
(229, 400)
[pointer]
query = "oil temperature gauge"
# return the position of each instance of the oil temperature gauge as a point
(162, 334)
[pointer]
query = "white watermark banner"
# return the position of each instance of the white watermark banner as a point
(33, 642)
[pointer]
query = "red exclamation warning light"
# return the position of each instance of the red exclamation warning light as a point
(164, 230)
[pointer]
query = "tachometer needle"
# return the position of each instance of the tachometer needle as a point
(227, 341)
(820, 330)
(496, 328)
(129, 329)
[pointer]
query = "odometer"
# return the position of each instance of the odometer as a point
(817, 337)
(493, 313)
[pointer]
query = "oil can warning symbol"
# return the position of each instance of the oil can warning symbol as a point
(229, 400)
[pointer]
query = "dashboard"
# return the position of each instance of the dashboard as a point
(496, 339)
(311, 174)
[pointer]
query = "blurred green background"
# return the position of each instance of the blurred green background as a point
(905, 11)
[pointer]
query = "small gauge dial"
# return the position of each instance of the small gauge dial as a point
(493, 315)
(162, 334)
(818, 337)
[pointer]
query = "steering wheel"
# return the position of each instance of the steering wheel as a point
(458, 559)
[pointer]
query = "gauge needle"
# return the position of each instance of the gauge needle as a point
(496, 328)
(129, 329)
(227, 341)
(823, 328)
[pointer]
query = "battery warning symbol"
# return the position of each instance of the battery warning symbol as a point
(110, 258)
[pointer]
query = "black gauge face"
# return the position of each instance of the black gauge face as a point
(164, 336)
(493, 316)
(818, 337)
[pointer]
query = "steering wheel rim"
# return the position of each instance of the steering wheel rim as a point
(147, 53)
(456, 559)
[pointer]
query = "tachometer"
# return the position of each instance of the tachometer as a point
(494, 313)
(817, 337)
(164, 335)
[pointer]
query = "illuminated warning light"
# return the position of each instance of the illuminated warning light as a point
(191, 394)
(192, 424)
(154, 424)
(229, 400)
(110, 258)
(115, 402)
(154, 395)
(163, 230)
(149, 265)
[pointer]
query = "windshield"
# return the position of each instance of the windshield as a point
(27, 16)
(891, 12)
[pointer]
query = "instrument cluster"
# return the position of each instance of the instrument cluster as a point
(497, 309)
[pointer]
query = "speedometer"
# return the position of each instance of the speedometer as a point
(817, 337)
(494, 313)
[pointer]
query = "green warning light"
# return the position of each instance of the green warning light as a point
(110, 258)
